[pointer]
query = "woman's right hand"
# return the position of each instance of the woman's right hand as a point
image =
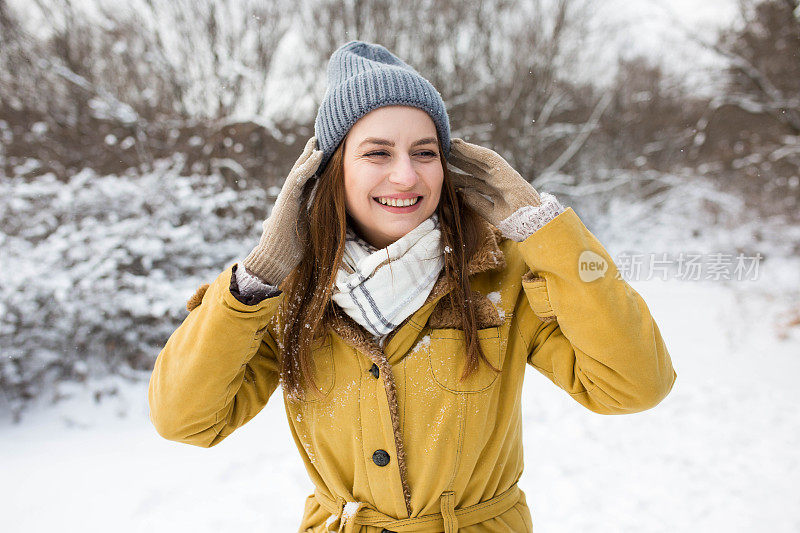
(280, 250)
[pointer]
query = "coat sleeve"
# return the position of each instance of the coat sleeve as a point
(218, 368)
(585, 328)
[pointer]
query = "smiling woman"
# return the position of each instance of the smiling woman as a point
(381, 185)
(398, 302)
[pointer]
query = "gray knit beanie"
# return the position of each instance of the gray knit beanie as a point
(362, 77)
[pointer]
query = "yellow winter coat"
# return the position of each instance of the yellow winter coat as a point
(397, 443)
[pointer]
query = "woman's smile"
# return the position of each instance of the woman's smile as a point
(403, 203)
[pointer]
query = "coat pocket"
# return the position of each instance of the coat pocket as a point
(535, 288)
(324, 371)
(448, 357)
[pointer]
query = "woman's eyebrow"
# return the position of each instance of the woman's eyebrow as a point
(387, 142)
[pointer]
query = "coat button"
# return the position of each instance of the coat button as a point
(374, 370)
(380, 458)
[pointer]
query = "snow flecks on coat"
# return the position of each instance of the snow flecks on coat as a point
(350, 508)
(438, 420)
(309, 451)
(331, 519)
(341, 399)
(494, 297)
(421, 344)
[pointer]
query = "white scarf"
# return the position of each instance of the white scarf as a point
(381, 288)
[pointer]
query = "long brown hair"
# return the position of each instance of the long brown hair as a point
(308, 288)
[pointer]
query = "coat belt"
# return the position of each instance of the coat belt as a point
(346, 516)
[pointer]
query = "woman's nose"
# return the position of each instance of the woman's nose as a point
(403, 172)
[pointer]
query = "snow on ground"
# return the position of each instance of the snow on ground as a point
(720, 453)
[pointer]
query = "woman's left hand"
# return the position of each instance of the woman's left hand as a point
(488, 173)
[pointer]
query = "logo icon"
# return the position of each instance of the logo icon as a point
(591, 266)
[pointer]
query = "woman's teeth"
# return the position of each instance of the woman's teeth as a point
(398, 203)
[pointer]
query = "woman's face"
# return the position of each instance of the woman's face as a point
(391, 153)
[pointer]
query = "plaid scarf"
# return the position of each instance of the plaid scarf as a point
(381, 288)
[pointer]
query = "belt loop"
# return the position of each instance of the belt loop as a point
(448, 502)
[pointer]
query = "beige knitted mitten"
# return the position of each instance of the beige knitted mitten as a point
(280, 250)
(488, 173)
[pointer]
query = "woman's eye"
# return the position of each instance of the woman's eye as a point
(428, 153)
(377, 153)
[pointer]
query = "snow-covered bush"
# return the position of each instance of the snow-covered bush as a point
(96, 271)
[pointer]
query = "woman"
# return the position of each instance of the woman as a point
(398, 302)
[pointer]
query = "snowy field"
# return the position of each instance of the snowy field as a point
(720, 453)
